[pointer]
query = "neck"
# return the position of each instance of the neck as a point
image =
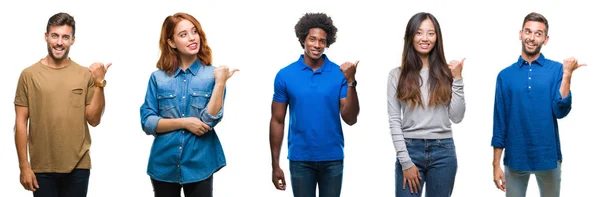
(425, 60)
(56, 63)
(312, 63)
(187, 61)
(529, 58)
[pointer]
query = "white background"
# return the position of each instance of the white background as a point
(258, 38)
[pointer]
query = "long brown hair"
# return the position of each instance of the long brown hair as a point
(170, 58)
(440, 77)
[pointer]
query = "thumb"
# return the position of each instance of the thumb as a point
(231, 72)
(582, 65)
(107, 66)
(462, 61)
(356, 63)
(35, 183)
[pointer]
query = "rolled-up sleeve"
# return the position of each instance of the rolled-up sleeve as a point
(560, 106)
(149, 110)
(499, 133)
(211, 120)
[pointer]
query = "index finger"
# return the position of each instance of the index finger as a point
(205, 126)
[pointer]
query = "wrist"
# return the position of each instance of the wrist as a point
(567, 75)
(220, 83)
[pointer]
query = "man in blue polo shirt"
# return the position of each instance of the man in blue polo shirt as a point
(317, 92)
(531, 95)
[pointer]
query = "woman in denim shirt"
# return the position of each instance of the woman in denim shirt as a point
(184, 102)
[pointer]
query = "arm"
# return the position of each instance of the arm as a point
(278, 111)
(213, 113)
(395, 121)
(349, 107)
(457, 107)
(499, 125)
(27, 177)
(561, 104)
(94, 111)
(498, 173)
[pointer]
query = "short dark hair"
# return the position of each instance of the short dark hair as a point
(61, 19)
(537, 17)
(315, 20)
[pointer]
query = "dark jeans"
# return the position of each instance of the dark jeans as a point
(202, 188)
(73, 184)
(306, 174)
(437, 164)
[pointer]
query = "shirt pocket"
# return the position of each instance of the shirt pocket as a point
(199, 100)
(167, 104)
(77, 97)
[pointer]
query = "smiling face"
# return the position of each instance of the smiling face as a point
(315, 43)
(425, 38)
(59, 40)
(533, 36)
(186, 39)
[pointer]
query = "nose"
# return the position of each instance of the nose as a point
(191, 37)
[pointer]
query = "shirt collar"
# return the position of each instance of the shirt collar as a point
(325, 68)
(539, 61)
(192, 69)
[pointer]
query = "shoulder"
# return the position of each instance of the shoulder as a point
(29, 70)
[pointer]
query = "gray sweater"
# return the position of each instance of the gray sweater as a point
(421, 122)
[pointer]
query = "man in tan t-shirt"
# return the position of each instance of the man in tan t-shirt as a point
(58, 98)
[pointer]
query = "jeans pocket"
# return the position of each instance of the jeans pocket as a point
(446, 143)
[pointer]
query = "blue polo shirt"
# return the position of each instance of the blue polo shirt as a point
(526, 108)
(315, 128)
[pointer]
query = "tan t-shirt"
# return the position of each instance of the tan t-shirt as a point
(59, 138)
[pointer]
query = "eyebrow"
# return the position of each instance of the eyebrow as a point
(539, 30)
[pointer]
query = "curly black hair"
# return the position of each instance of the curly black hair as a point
(318, 20)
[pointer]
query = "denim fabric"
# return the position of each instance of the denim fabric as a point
(180, 156)
(73, 184)
(437, 164)
(306, 175)
(548, 182)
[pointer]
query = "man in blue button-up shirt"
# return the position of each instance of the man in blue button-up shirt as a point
(317, 92)
(531, 95)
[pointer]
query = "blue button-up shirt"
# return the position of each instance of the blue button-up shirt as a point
(180, 156)
(315, 129)
(526, 107)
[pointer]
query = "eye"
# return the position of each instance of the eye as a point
(323, 41)
(312, 39)
(66, 37)
(54, 36)
(538, 34)
(194, 31)
(431, 34)
(183, 35)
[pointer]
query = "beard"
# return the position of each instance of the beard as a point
(535, 51)
(65, 54)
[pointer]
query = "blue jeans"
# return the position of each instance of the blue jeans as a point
(548, 181)
(73, 184)
(436, 161)
(307, 174)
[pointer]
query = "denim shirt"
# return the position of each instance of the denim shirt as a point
(180, 156)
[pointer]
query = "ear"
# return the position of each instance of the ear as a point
(546, 40)
(72, 40)
(520, 33)
(46, 36)
(171, 43)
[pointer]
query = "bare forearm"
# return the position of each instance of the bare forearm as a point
(21, 144)
(275, 138)
(96, 108)
(497, 156)
(351, 108)
(565, 86)
(166, 125)
(216, 100)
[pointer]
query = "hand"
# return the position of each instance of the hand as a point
(196, 126)
(98, 71)
(349, 70)
(278, 178)
(413, 177)
(499, 179)
(28, 180)
(456, 68)
(222, 73)
(570, 65)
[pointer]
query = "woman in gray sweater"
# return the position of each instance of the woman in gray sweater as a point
(424, 95)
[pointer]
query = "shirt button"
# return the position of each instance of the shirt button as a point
(184, 96)
(530, 69)
(206, 95)
(182, 131)
(529, 87)
(177, 166)
(171, 95)
(184, 80)
(179, 147)
(529, 78)
(182, 114)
